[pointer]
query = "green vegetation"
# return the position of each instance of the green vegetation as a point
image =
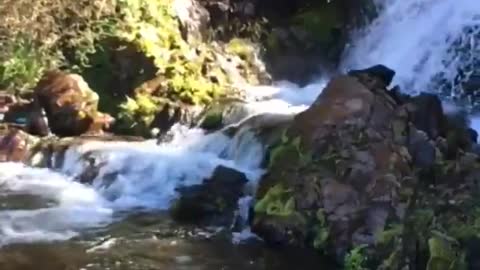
(40, 35)
(290, 149)
(321, 231)
(88, 37)
(355, 259)
(278, 201)
(443, 254)
(319, 20)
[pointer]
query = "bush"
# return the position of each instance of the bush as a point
(40, 35)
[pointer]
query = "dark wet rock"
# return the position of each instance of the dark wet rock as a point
(383, 74)
(458, 133)
(70, 105)
(171, 114)
(398, 96)
(427, 115)
(212, 202)
(29, 115)
(473, 135)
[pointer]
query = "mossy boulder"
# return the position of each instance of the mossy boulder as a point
(343, 167)
(346, 179)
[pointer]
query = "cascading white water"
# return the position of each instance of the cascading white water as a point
(413, 37)
(145, 175)
(420, 40)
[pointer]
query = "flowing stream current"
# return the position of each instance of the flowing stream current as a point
(422, 40)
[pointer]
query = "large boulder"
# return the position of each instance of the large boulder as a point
(70, 105)
(362, 175)
(212, 202)
(337, 176)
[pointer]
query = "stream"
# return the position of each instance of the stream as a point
(50, 222)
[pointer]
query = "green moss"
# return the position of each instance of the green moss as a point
(212, 120)
(278, 201)
(241, 47)
(137, 114)
(288, 148)
(321, 231)
(153, 27)
(22, 63)
(443, 255)
(272, 43)
(355, 259)
(318, 20)
(389, 235)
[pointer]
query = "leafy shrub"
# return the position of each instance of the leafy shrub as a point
(39, 35)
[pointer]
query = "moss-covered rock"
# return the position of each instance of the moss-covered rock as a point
(345, 180)
(338, 158)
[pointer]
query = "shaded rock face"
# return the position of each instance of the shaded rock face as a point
(212, 202)
(70, 105)
(301, 38)
(127, 68)
(337, 177)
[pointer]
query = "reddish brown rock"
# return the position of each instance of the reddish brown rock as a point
(70, 105)
(15, 144)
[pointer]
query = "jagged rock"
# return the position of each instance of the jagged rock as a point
(70, 105)
(213, 201)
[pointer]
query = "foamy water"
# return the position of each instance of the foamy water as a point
(138, 175)
(411, 36)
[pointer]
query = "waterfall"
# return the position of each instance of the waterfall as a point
(427, 43)
(424, 41)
